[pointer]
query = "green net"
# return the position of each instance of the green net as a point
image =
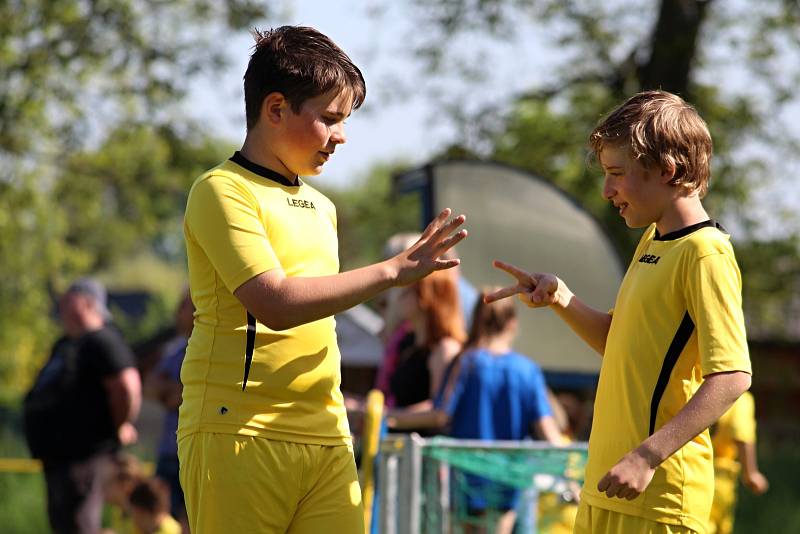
(510, 466)
(469, 484)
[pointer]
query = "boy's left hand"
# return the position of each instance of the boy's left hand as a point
(628, 478)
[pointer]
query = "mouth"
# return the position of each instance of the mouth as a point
(621, 207)
(325, 155)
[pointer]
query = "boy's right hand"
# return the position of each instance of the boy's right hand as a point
(424, 256)
(534, 289)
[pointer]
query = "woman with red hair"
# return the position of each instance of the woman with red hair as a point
(433, 309)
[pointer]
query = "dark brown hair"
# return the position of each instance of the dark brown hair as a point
(151, 495)
(489, 319)
(300, 63)
(662, 130)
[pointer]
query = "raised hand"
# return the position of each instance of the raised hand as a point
(534, 289)
(424, 256)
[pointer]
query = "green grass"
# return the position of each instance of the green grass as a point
(23, 503)
(777, 510)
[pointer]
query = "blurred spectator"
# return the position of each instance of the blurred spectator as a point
(149, 505)
(125, 473)
(397, 327)
(164, 386)
(734, 441)
(490, 392)
(81, 408)
(432, 308)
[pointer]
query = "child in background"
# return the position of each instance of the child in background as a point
(734, 441)
(126, 473)
(149, 505)
(490, 392)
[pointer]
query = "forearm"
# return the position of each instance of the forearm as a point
(715, 396)
(589, 324)
(547, 429)
(399, 420)
(747, 457)
(281, 302)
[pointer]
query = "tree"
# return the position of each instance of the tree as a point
(609, 50)
(368, 215)
(95, 158)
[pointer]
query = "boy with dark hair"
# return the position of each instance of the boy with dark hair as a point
(264, 444)
(674, 349)
(149, 505)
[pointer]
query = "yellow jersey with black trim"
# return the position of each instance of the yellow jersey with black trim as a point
(677, 318)
(738, 424)
(240, 377)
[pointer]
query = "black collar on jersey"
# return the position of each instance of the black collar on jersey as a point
(264, 172)
(688, 230)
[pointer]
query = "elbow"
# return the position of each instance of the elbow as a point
(277, 324)
(745, 382)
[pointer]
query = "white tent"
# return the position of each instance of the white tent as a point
(522, 219)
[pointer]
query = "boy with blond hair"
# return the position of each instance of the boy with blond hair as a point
(263, 440)
(674, 349)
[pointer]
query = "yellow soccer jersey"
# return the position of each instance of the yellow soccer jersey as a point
(737, 424)
(240, 377)
(678, 317)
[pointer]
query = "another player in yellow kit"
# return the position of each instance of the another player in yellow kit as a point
(674, 348)
(734, 441)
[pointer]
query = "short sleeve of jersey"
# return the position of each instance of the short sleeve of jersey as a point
(713, 296)
(106, 353)
(222, 216)
(743, 419)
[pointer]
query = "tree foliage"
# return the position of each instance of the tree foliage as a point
(368, 215)
(95, 159)
(606, 51)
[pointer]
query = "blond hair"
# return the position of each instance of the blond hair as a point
(662, 130)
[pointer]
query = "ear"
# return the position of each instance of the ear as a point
(668, 172)
(273, 108)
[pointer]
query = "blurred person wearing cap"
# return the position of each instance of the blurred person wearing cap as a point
(81, 408)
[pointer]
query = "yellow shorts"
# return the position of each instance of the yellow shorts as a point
(593, 520)
(245, 484)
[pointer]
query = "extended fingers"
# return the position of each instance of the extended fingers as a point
(451, 241)
(503, 293)
(436, 223)
(446, 229)
(446, 264)
(517, 273)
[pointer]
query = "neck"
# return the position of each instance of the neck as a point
(499, 344)
(684, 211)
(254, 149)
(420, 331)
(84, 326)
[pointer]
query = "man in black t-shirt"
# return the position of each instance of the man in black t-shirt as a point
(81, 409)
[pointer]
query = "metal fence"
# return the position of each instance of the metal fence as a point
(414, 483)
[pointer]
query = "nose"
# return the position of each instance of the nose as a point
(608, 189)
(337, 134)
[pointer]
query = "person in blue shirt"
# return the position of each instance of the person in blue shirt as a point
(490, 392)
